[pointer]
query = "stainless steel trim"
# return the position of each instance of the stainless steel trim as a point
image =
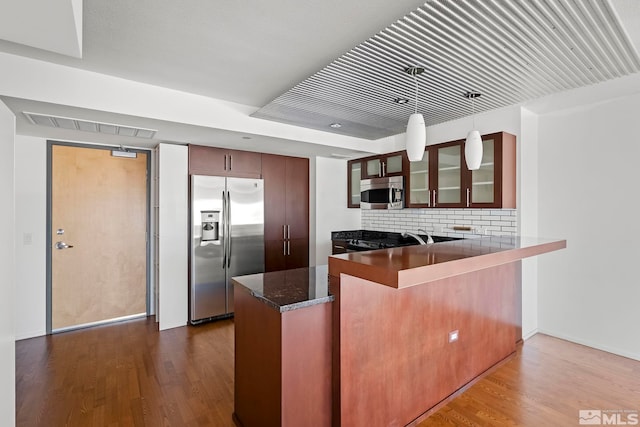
(391, 183)
(224, 230)
(228, 229)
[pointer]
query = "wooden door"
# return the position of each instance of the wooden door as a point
(207, 161)
(244, 164)
(297, 253)
(447, 176)
(222, 162)
(98, 208)
(274, 175)
(297, 201)
(354, 176)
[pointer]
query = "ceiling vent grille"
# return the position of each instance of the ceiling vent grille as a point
(88, 126)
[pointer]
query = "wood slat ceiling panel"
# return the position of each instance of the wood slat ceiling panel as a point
(510, 51)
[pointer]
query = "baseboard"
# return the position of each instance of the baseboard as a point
(530, 334)
(616, 351)
(32, 334)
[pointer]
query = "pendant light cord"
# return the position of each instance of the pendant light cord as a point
(473, 111)
(415, 78)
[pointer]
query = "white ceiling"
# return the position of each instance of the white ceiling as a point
(254, 52)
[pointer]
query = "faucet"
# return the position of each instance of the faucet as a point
(429, 238)
(415, 236)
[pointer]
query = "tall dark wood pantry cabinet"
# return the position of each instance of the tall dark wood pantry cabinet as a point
(286, 214)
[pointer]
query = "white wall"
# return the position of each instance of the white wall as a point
(588, 187)
(173, 235)
(332, 213)
(505, 119)
(7, 266)
(30, 235)
(527, 201)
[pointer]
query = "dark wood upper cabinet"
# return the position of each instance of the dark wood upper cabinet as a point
(286, 215)
(447, 172)
(392, 164)
(384, 165)
(223, 162)
(494, 184)
(354, 176)
(442, 179)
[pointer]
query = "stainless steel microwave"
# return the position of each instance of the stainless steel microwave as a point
(382, 193)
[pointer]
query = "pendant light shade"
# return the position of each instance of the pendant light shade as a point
(473, 150)
(416, 137)
(473, 144)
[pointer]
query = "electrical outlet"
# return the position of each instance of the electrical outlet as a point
(453, 336)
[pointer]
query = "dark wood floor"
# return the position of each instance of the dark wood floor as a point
(130, 374)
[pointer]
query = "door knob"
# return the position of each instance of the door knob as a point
(63, 245)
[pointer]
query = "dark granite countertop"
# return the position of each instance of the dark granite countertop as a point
(288, 289)
(386, 239)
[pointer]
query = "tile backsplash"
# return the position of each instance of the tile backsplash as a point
(495, 222)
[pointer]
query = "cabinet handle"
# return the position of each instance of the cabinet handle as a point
(288, 247)
(384, 172)
(434, 198)
(225, 162)
(288, 232)
(230, 162)
(468, 191)
(284, 247)
(284, 232)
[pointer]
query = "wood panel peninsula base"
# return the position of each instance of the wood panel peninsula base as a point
(283, 349)
(413, 325)
(394, 334)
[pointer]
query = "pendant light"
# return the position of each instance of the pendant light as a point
(473, 144)
(416, 132)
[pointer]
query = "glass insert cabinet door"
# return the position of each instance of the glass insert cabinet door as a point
(483, 179)
(393, 165)
(384, 166)
(355, 174)
(419, 182)
(374, 167)
(449, 185)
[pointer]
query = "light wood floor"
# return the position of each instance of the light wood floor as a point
(129, 374)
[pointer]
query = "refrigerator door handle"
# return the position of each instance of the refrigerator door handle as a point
(229, 228)
(224, 231)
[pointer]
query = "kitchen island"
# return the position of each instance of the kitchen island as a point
(412, 326)
(282, 348)
(400, 331)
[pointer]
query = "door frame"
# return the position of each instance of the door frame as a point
(49, 241)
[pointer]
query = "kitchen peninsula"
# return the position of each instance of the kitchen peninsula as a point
(411, 326)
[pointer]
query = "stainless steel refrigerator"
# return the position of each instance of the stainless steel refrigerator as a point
(227, 239)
